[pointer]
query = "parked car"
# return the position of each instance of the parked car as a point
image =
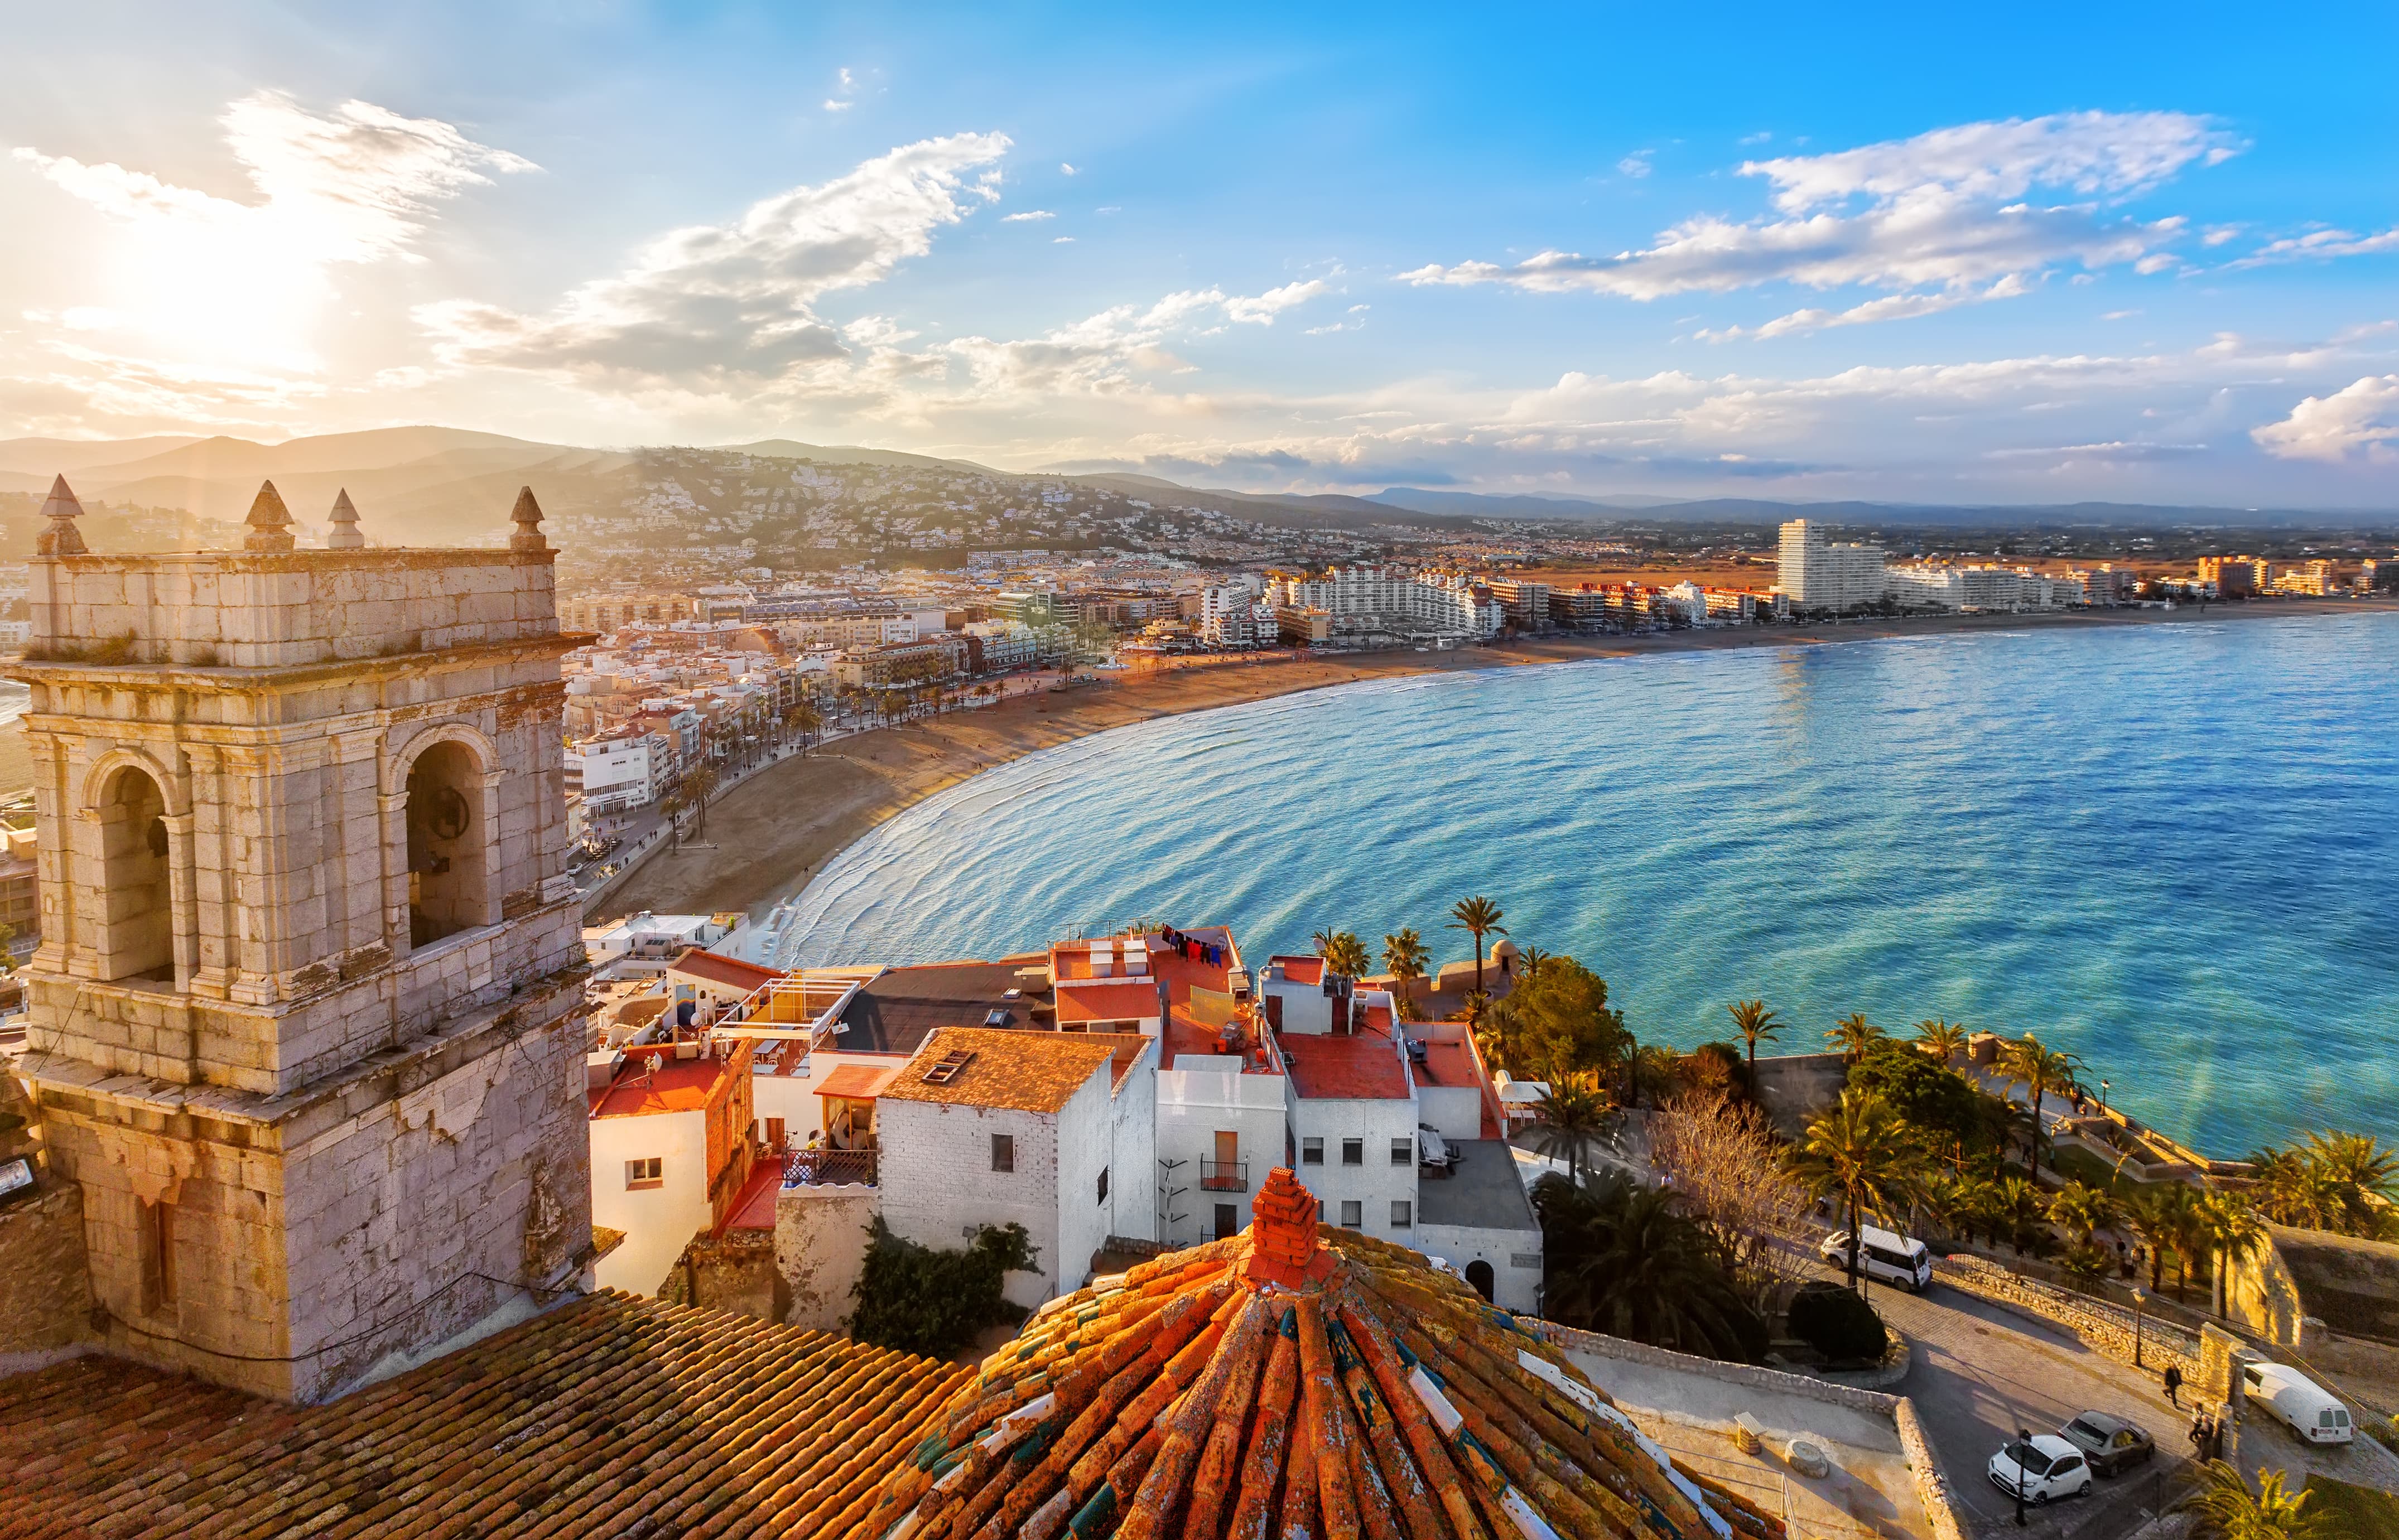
(2041, 1469)
(2303, 1406)
(2110, 1444)
(1899, 1260)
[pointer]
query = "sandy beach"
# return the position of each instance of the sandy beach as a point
(770, 835)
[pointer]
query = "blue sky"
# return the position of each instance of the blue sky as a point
(2119, 252)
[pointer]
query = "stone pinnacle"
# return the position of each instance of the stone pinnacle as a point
(344, 535)
(60, 536)
(526, 516)
(270, 522)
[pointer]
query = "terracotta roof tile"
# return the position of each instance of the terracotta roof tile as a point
(611, 1415)
(1034, 1071)
(1295, 1379)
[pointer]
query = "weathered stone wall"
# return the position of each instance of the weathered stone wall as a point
(821, 1234)
(391, 1210)
(261, 610)
(736, 1272)
(2100, 1325)
(44, 1302)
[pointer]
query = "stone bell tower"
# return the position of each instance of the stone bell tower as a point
(303, 1025)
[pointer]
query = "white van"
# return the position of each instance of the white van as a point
(2309, 1410)
(1899, 1260)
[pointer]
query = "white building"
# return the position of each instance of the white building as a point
(1823, 575)
(1369, 600)
(670, 1129)
(622, 770)
(1925, 585)
(1228, 614)
(1055, 1131)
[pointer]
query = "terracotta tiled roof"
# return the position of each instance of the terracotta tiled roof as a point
(1033, 1071)
(609, 1416)
(1346, 1067)
(1127, 1000)
(717, 968)
(1292, 1380)
(670, 1086)
(858, 1082)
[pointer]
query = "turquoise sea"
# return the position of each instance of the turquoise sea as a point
(2173, 849)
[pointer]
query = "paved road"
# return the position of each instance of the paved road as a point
(1981, 1373)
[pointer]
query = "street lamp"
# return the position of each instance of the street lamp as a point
(2103, 1096)
(2140, 1297)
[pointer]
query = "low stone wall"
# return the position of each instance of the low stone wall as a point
(1940, 1503)
(736, 1272)
(820, 1239)
(1931, 1488)
(45, 1287)
(2100, 1325)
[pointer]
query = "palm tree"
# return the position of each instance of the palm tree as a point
(1321, 941)
(1346, 955)
(1623, 1259)
(2040, 1071)
(2083, 1208)
(2296, 1191)
(1853, 1035)
(2364, 1177)
(1859, 1153)
(1404, 955)
(1528, 963)
(1753, 1021)
(1480, 916)
(2163, 1218)
(2233, 1229)
(1575, 1111)
(2226, 1510)
(1943, 1040)
(699, 786)
(1495, 1030)
(672, 806)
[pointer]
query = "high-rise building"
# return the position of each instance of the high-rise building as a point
(2234, 576)
(302, 1025)
(1825, 575)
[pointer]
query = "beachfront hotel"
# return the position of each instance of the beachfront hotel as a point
(1819, 574)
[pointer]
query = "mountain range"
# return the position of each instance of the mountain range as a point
(430, 485)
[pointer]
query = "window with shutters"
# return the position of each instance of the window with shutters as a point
(1003, 1151)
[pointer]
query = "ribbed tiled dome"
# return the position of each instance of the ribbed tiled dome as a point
(1295, 1380)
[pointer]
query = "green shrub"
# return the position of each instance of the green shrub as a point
(916, 1299)
(1838, 1323)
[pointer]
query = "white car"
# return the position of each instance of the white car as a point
(2309, 1410)
(2041, 1469)
(1901, 1262)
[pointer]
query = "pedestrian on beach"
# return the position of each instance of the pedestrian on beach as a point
(2173, 1385)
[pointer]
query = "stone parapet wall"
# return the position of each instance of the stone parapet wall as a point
(821, 1234)
(395, 1208)
(261, 610)
(2100, 1325)
(1940, 1504)
(44, 1299)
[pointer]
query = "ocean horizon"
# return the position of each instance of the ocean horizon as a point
(2168, 849)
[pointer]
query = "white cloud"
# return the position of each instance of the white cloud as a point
(1062, 240)
(708, 302)
(1761, 137)
(356, 185)
(846, 87)
(1027, 216)
(1068, 170)
(1262, 309)
(2321, 244)
(1635, 165)
(1943, 217)
(834, 104)
(2360, 421)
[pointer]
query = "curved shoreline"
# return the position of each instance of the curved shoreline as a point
(769, 837)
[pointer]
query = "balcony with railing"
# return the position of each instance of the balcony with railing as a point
(1224, 1176)
(823, 1168)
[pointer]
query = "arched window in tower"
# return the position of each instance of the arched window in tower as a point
(137, 931)
(445, 843)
